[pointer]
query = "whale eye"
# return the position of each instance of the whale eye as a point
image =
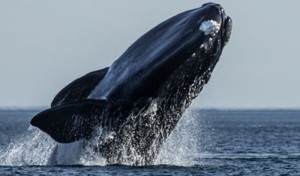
(210, 27)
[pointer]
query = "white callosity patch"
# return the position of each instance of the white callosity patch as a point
(210, 27)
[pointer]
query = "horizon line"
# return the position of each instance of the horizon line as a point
(40, 108)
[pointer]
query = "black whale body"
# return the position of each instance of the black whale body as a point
(131, 107)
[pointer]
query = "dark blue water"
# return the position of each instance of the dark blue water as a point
(206, 142)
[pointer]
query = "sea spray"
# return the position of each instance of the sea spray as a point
(179, 149)
(182, 144)
(66, 154)
(37, 148)
(32, 148)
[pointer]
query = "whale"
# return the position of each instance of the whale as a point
(127, 111)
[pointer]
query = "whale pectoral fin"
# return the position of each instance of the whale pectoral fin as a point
(70, 122)
(80, 88)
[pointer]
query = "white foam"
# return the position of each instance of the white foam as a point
(36, 148)
(210, 27)
(182, 144)
(33, 148)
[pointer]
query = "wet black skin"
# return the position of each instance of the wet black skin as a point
(141, 97)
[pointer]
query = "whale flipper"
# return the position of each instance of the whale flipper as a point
(80, 88)
(72, 121)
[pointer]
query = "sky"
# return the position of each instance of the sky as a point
(44, 45)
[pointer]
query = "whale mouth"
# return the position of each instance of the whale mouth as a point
(226, 30)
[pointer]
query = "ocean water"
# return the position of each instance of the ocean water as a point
(205, 142)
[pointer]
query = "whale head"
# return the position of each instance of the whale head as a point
(149, 62)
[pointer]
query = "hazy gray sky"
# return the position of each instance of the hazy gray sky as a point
(44, 45)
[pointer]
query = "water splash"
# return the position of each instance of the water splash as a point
(37, 148)
(32, 148)
(182, 144)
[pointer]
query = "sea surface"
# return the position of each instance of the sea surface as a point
(205, 142)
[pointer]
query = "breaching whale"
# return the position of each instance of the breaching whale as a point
(132, 106)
